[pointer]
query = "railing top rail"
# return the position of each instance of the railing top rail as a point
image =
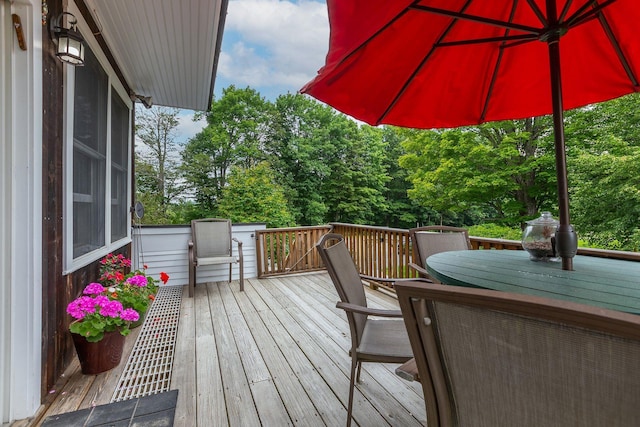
(303, 228)
(370, 227)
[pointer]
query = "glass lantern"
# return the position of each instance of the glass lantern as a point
(538, 238)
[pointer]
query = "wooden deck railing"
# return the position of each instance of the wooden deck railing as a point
(288, 250)
(377, 251)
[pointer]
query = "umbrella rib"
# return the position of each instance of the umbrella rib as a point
(373, 36)
(616, 47)
(582, 15)
(475, 18)
(565, 10)
(419, 67)
(539, 13)
(494, 75)
(523, 38)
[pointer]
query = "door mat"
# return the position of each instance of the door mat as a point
(157, 410)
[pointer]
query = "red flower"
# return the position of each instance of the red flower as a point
(152, 297)
(164, 277)
(145, 266)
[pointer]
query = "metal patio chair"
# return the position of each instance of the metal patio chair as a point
(211, 244)
(372, 340)
(434, 239)
(489, 358)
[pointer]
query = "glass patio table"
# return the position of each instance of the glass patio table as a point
(601, 282)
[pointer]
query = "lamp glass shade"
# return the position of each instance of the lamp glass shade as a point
(70, 47)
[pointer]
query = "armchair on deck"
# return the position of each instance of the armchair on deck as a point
(211, 245)
(434, 239)
(489, 358)
(382, 340)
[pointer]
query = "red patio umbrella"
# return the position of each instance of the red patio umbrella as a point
(449, 63)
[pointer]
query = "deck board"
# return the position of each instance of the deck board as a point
(276, 354)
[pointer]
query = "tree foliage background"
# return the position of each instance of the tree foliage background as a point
(296, 161)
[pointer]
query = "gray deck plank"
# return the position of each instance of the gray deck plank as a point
(372, 392)
(256, 349)
(241, 409)
(276, 354)
(183, 376)
(210, 404)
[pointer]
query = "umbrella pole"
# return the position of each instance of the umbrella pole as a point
(566, 239)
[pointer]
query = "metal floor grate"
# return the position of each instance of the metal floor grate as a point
(148, 370)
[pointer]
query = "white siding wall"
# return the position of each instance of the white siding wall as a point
(21, 217)
(166, 249)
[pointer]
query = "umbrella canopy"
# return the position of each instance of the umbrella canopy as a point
(449, 63)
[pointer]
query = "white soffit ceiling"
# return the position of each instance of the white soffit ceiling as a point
(165, 48)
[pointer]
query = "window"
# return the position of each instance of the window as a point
(100, 163)
(89, 156)
(119, 167)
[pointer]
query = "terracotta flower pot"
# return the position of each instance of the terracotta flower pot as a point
(101, 356)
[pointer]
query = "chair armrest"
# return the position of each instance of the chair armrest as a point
(235, 239)
(192, 258)
(419, 269)
(397, 280)
(354, 308)
(377, 279)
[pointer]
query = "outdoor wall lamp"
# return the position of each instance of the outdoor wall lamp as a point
(68, 39)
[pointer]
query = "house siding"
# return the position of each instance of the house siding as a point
(165, 248)
(57, 288)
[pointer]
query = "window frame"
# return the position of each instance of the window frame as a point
(70, 263)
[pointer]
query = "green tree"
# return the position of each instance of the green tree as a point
(296, 147)
(401, 211)
(157, 172)
(503, 171)
(331, 169)
(235, 135)
(354, 190)
(252, 196)
(606, 197)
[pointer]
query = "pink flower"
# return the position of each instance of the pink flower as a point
(130, 315)
(101, 300)
(111, 309)
(87, 304)
(93, 289)
(75, 310)
(138, 280)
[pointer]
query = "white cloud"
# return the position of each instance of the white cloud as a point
(187, 128)
(273, 43)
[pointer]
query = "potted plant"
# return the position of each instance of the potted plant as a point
(135, 290)
(98, 329)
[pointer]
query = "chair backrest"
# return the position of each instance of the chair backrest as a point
(345, 278)
(211, 237)
(434, 239)
(495, 358)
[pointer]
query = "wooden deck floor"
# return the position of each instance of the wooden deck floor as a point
(274, 355)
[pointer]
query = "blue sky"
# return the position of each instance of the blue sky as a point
(273, 46)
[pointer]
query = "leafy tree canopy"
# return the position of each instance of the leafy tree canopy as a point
(252, 196)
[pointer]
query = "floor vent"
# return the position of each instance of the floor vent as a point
(148, 370)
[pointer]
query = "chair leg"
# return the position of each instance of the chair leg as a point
(241, 276)
(359, 369)
(351, 391)
(192, 280)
